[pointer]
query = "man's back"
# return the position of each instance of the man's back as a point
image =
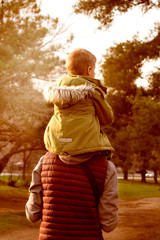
(69, 205)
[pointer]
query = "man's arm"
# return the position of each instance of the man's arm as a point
(108, 209)
(33, 206)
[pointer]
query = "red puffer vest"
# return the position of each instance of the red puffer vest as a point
(69, 205)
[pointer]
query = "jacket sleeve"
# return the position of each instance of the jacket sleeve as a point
(108, 210)
(103, 109)
(33, 206)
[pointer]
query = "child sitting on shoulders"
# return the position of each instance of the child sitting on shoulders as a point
(80, 110)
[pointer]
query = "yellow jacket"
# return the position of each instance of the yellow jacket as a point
(80, 110)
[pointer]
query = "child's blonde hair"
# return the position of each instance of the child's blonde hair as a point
(79, 60)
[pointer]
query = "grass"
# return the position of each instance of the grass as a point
(17, 180)
(9, 221)
(128, 190)
(14, 221)
(133, 190)
(12, 192)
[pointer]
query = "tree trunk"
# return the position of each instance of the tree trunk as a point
(143, 176)
(25, 159)
(2, 12)
(4, 160)
(125, 172)
(155, 177)
(24, 165)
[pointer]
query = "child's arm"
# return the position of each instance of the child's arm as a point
(103, 109)
(33, 207)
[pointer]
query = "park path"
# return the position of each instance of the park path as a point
(138, 220)
(23, 234)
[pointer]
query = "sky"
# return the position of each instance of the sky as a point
(87, 35)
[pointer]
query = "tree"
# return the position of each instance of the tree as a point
(24, 56)
(154, 162)
(22, 123)
(145, 131)
(123, 150)
(105, 11)
(121, 68)
(154, 85)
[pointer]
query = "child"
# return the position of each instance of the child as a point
(80, 109)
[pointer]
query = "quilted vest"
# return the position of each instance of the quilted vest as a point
(69, 205)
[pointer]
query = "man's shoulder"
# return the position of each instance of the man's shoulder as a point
(111, 171)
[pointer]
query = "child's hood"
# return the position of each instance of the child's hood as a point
(64, 96)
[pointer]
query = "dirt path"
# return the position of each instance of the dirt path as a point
(138, 220)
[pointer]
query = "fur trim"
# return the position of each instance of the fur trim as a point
(68, 94)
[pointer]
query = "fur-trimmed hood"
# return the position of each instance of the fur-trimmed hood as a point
(64, 96)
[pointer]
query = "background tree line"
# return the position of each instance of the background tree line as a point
(25, 55)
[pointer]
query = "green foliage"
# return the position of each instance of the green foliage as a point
(22, 42)
(137, 144)
(123, 149)
(123, 62)
(120, 69)
(105, 11)
(154, 85)
(145, 129)
(155, 159)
